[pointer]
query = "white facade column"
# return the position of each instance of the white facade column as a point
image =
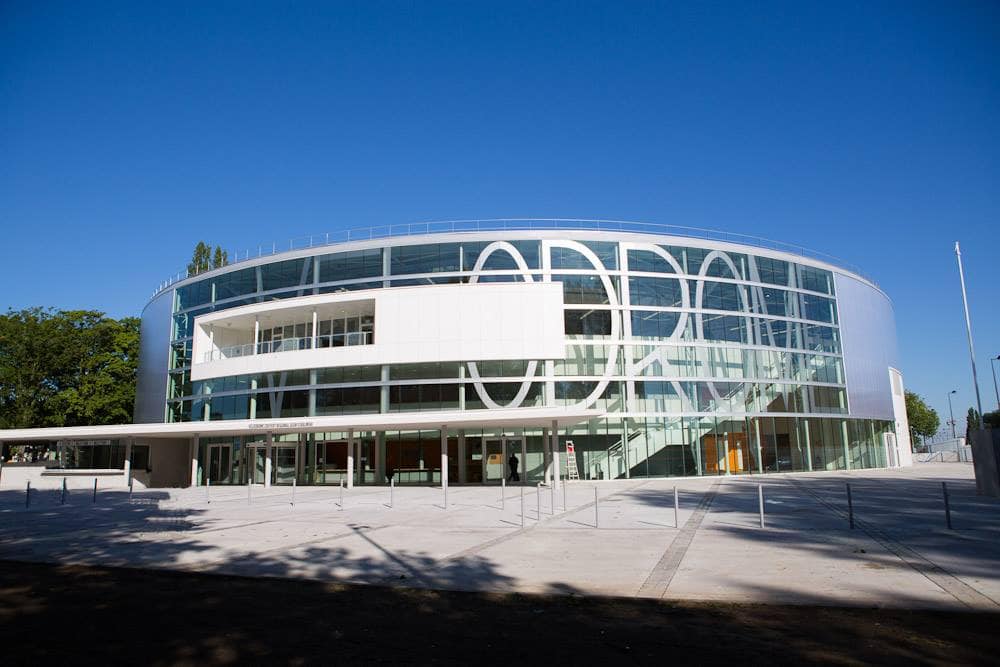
(267, 460)
(194, 461)
(315, 331)
(350, 459)
(555, 453)
(256, 334)
(128, 459)
(844, 438)
(546, 457)
(444, 456)
(805, 435)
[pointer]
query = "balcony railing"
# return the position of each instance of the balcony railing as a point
(348, 339)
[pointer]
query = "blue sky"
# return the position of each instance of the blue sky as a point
(129, 131)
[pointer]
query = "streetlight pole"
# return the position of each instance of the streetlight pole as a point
(968, 331)
(952, 414)
(994, 369)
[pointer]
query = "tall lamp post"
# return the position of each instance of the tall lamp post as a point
(968, 331)
(994, 369)
(952, 414)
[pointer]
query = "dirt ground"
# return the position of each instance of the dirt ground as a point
(52, 614)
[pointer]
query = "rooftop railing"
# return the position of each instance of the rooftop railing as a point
(517, 224)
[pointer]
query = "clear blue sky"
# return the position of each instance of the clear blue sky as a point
(129, 131)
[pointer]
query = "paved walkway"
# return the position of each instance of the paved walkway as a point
(900, 553)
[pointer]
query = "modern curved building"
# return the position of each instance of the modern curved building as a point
(437, 352)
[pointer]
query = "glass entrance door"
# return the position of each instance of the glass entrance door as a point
(285, 464)
(220, 468)
(497, 459)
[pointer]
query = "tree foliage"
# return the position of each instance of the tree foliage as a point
(971, 424)
(204, 259)
(66, 368)
(923, 419)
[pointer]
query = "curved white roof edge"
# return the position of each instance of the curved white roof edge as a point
(396, 421)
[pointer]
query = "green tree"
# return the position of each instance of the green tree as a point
(201, 260)
(971, 424)
(66, 368)
(220, 258)
(923, 419)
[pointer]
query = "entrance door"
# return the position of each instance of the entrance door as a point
(285, 464)
(498, 451)
(219, 467)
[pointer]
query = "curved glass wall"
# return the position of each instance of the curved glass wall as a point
(705, 361)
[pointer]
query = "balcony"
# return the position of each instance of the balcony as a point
(346, 339)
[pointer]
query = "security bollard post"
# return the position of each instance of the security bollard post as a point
(565, 506)
(208, 488)
(341, 495)
(445, 487)
(503, 492)
(392, 491)
(677, 510)
(27, 495)
(62, 496)
(95, 491)
(538, 498)
(522, 506)
(249, 493)
(760, 502)
(130, 491)
(947, 505)
(293, 493)
(850, 507)
(597, 513)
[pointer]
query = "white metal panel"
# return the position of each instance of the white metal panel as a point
(465, 322)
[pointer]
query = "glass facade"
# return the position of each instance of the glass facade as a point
(704, 360)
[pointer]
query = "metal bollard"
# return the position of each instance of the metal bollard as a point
(208, 488)
(62, 496)
(293, 493)
(249, 493)
(129, 491)
(850, 507)
(565, 506)
(597, 514)
(27, 495)
(947, 505)
(677, 510)
(760, 502)
(95, 491)
(392, 490)
(341, 495)
(445, 487)
(522, 506)
(538, 498)
(503, 492)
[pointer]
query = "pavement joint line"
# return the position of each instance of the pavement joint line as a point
(937, 575)
(663, 572)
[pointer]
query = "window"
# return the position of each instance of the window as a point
(661, 292)
(587, 322)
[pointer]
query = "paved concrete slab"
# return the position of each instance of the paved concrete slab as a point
(900, 553)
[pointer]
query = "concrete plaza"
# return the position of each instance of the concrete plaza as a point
(899, 554)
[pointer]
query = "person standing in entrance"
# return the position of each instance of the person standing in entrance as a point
(512, 462)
